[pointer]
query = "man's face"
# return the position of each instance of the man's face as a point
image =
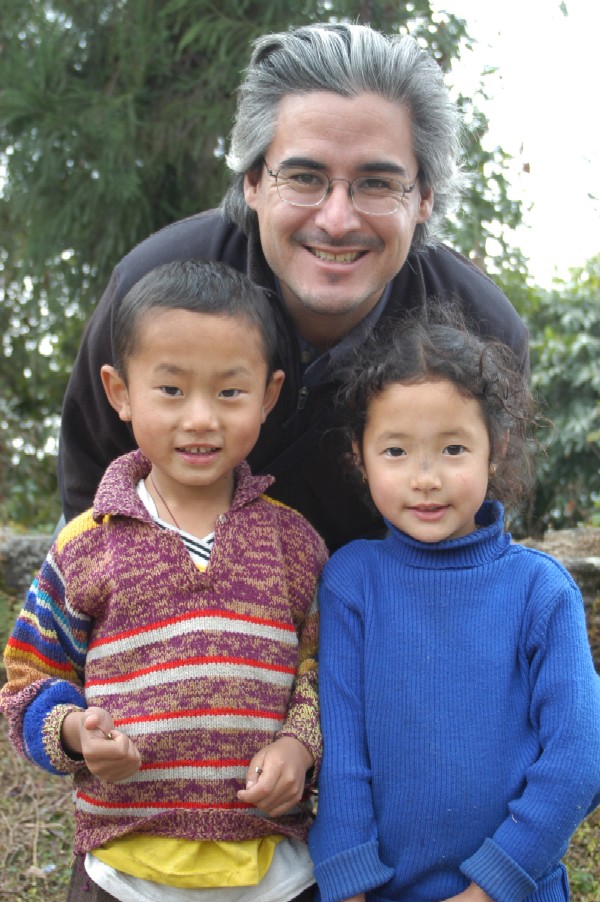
(333, 262)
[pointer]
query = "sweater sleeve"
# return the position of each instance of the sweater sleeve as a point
(343, 840)
(305, 555)
(563, 784)
(44, 660)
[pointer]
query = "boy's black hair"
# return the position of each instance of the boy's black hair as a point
(200, 286)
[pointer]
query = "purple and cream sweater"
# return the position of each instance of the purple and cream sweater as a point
(200, 669)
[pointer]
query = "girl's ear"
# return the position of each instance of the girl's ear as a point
(358, 459)
(116, 392)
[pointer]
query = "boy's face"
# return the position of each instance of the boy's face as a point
(196, 397)
(426, 456)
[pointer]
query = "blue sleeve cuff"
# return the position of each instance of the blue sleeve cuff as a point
(498, 874)
(350, 872)
(42, 724)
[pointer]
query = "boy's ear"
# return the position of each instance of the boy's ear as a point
(272, 393)
(116, 392)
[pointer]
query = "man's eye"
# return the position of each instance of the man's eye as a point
(302, 179)
(171, 390)
(379, 185)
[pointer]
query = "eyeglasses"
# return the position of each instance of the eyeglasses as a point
(375, 195)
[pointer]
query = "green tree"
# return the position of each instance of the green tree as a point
(564, 329)
(113, 118)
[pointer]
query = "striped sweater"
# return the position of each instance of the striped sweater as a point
(200, 669)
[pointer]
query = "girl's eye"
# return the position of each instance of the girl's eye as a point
(394, 452)
(171, 390)
(454, 450)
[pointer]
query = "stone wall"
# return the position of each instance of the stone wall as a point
(579, 551)
(21, 556)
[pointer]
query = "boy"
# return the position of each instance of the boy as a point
(164, 655)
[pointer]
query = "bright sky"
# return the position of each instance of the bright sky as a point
(544, 112)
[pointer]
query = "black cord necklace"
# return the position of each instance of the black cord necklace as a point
(165, 505)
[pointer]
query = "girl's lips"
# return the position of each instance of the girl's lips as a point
(429, 512)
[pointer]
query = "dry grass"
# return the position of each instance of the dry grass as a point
(35, 829)
(36, 836)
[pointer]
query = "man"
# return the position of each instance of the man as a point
(344, 153)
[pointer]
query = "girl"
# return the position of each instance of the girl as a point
(460, 706)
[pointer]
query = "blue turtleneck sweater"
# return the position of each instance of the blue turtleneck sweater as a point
(461, 719)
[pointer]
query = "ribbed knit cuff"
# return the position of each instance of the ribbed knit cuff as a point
(351, 872)
(498, 874)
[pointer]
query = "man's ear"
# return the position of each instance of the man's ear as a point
(252, 187)
(272, 393)
(116, 392)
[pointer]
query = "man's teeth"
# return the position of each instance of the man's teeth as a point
(349, 257)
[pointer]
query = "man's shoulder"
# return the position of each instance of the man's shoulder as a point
(209, 235)
(447, 271)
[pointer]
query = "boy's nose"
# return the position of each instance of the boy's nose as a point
(199, 414)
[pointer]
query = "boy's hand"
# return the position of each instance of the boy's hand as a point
(276, 776)
(108, 753)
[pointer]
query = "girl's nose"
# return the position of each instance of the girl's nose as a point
(425, 475)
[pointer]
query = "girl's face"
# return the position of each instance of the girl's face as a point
(426, 456)
(196, 396)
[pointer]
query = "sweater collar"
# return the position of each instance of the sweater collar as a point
(487, 543)
(116, 493)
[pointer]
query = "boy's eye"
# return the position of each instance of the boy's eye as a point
(454, 450)
(230, 392)
(171, 390)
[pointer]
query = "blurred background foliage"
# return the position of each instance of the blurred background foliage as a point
(114, 116)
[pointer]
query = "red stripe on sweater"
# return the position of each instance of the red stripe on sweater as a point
(189, 662)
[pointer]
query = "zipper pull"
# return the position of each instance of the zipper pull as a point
(302, 398)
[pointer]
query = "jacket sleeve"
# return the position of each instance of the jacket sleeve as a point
(92, 435)
(305, 555)
(44, 660)
(563, 784)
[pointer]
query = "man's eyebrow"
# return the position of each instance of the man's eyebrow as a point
(371, 166)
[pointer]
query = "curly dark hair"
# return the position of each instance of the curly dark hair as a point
(435, 343)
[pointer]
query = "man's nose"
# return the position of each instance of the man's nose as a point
(337, 214)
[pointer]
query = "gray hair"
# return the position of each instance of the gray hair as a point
(347, 60)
